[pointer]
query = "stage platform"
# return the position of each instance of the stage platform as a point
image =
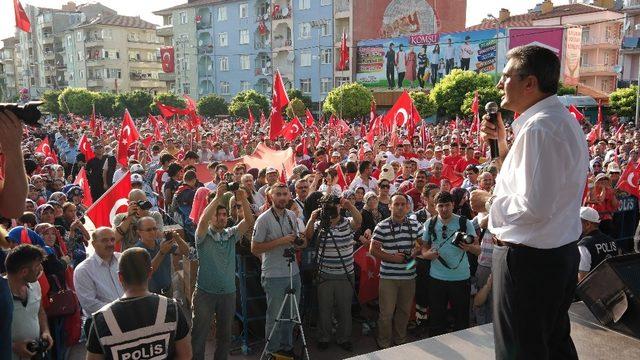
(592, 341)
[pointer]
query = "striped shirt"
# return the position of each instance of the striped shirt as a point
(397, 238)
(343, 234)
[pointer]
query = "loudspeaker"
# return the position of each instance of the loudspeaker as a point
(612, 292)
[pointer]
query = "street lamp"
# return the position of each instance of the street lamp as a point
(319, 24)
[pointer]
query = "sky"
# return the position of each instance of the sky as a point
(476, 9)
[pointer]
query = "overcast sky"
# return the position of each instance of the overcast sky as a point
(476, 9)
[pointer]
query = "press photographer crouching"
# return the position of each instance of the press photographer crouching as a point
(335, 266)
(448, 238)
(125, 225)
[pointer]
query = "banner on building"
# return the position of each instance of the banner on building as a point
(573, 45)
(547, 37)
(167, 56)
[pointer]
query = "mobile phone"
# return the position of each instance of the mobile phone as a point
(168, 236)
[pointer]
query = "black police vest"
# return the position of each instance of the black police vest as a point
(154, 341)
(600, 246)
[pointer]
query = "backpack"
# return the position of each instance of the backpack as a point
(431, 228)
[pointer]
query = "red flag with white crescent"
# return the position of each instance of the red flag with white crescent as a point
(82, 181)
(128, 134)
(167, 56)
(46, 149)
(22, 20)
(292, 130)
(84, 146)
(400, 113)
(114, 201)
(369, 274)
(309, 120)
(279, 100)
(630, 179)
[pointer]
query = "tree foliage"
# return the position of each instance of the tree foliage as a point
(450, 92)
(485, 95)
(105, 103)
(297, 94)
(296, 108)
(566, 89)
(426, 107)
(76, 101)
(137, 102)
(212, 105)
(623, 101)
(248, 99)
(50, 99)
(167, 98)
(348, 101)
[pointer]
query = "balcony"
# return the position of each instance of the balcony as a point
(94, 61)
(162, 76)
(143, 44)
(597, 70)
(49, 55)
(630, 45)
(203, 19)
(631, 6)
(612, 42)
(164, 31)
(93, 41)
(47, 38)
(282, 45)
(152, 83)
(341, 8)
(95, 82)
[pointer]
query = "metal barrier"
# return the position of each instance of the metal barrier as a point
(626, 221)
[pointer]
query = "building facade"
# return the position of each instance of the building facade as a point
(8, 84)
(630, 50)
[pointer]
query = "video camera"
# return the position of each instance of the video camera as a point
(39, 347)
(28, 113)
(329, 209)
(232, 186)
(144, 204)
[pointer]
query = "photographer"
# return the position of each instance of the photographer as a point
(125, 224)
(448, 238)
(275, 231)
(29, 326)
(335, 267)
(13, 183)
(215, 291)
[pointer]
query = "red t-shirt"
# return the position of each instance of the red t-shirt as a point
(451, 160)
(435, 180)
(415, 196)
(462, 164)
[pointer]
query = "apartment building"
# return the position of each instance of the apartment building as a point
(8, 84)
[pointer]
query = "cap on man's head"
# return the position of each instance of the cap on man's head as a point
(613, 168)
(136, 169)
(271, 170)
(589, 214)
(335, 153)
(136, 179)
(602, 176)
(406, 142)
(437, 149)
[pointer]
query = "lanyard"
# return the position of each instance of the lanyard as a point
(280, 224)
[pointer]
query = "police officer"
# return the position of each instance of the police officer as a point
(140, 325)
(594, 245)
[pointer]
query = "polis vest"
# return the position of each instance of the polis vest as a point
(600, 246)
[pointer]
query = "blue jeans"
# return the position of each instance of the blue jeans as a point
(275, 288)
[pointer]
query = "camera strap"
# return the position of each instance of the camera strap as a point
(275, 215)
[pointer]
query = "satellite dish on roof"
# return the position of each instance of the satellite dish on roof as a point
(291, 56)
(268, 64)
(617, 69)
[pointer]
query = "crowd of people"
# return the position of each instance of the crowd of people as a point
(409, 204)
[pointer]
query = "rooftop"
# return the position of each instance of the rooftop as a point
(122, 21)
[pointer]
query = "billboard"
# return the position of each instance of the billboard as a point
(547, 37)
(467, 50)
(573, 45)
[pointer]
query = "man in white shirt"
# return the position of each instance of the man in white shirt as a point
(534, 212)
(364, 178)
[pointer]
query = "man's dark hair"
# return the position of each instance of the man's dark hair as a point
(428, 189)
(190, 175)
(444, 197)
(28, 218)
(173, 169)
(363, 166)
(537, 61)
(220, 208)
(21, 256)
(473, 168)
(191, 155)
(165, 158)
(135, 266)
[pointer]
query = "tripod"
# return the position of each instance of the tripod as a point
(290, 294)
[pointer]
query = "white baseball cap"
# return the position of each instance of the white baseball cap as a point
(589, 214)
(136, 178)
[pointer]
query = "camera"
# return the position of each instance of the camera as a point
(28, 113)
(38, 346)
(232, 186)
(298, 241)
(168, 236)
(329, 209)
(144, 204)
(460, 238)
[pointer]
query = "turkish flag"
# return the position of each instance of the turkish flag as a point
(369, 274)
(82, 181)
(400, 113)
(594, 134)
(262, 28)
(92, 122)
(113, 201)
(372, 114)
(630, 179)
(97, 132)
(22, 21)
(191, 104)
(475, 109)
(619, 131)
(344, 53)
(146, 141)
(278, 102)
(168, 63)
(252, 120)
(84, 146)
(292, 130)
(45, 148)
(310, 120)
(576, 113)
(128, 134)
(263, 119)
(340, 178)
(168, 110)
(374, 129)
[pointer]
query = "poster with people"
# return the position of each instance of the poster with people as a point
(421, 61)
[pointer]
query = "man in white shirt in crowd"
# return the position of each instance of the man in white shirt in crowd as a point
(364, 178)
(534, 212)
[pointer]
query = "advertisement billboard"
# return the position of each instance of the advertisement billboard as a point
(467, 50)
(548, 37)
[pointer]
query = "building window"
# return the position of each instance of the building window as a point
(325, 56)
(69, 40)
(222, 13)
(324, 30)
(186, 88)
(245, 85)
(585, 34)
(224, 87)
(584, 59)
(183, 17)
(79, 36)
(222, 39)
(80, 56)
(245, 62)
(325, 2)
(305, 30)
(305, 86)
(81, 74)
(325, 85)
(106, 33)
(114, 74)
(244, 11)
(304, 4)
(341, 80)
(244, 36)
(224, 63)
(305, 59)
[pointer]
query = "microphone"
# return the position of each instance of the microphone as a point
(492, 110)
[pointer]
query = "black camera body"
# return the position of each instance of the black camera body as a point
(233, 186)
(38, 346)
(28, 113)
(462, 238)
(298, 241)
(144, 204)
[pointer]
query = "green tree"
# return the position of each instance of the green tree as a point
(167, 98)
(76, 101)
(623, 101)
(485, 95)
(248, 99)
(105, 103)
(426, 107)
(212, 105)
(296, 108)
(297, 94)
(137, 102)
(566, 89)
(348, 101)
(450, 92)
(51, 105)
